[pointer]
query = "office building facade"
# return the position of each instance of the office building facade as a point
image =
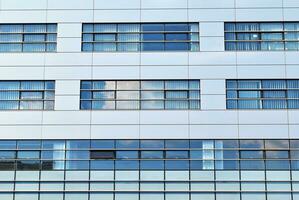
(149, 99)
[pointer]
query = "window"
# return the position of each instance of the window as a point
(262, 36)
(102, 155)
(28, 37)
(143, 154)
(27, 95)
(140, 95)
(140, 37)
(262, 94)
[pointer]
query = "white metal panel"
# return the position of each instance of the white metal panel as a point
(22, 59)
(65, 132)
(291, 14)
(213, 102)
(116, 59)
(212, 86)
(164, 72)
(261, 71)
(211, 4)
(263, 131)
(259, 4)
(212, 44)
(20, 117)
(209, 15)
(263, 117)
(116, 16)
(68, 44)
(67, 5)
(23, 16)
(158, 4)
(164, 58)
(67, 87)
(68, 59)
(66, 117)
(213, 131)
(116, 4)
(66, 73)
(115, 117)
(21, 73)
(21, 131)
(274, 14)
(164, 117)
(67, 102)
(261, 57)
(223, 117)
(69, 30)
(209, 29)
(169, 15)
(116, 72)
(213, 72)
(23, 5)
(209, 58)
(164, 131)
(69, 16)
(114, 132)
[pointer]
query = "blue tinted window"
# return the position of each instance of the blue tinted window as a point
(34, 144)
(140, 37)
(8, 144)
(151, 164)
(277, 164)
(28, 37)
(102, 144)
(77, 144)
(252, 144)
(266, 36)
(152, 155)
(102, 165)
(251, 154)
(152, 144)
(127, 144)
(124, 164)
(177, 154)
(53, 144)
(177, 144)
(77, 165)
(127, 154)
(174, 164)
(252, 164)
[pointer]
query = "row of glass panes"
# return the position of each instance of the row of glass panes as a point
(148, 46)
(141, 37)
(27, 95)
(170, 154)
(262, 36)
(148, 144)
(149, 165)
(28, 37)
(151, 195)
(266, 94)
(170, 94)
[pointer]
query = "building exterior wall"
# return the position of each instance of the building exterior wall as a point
(212, 65)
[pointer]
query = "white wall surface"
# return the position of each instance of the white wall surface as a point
(212, 65)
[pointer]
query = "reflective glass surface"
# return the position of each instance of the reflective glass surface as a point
(28, 37)
(140, 95)
(27, 95)
(262, 94)
(141, 37)
(262, 36)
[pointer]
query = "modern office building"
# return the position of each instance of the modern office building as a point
(149, 99)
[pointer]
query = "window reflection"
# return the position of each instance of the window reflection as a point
(171, 95)
(141, 37)
(265, 36)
